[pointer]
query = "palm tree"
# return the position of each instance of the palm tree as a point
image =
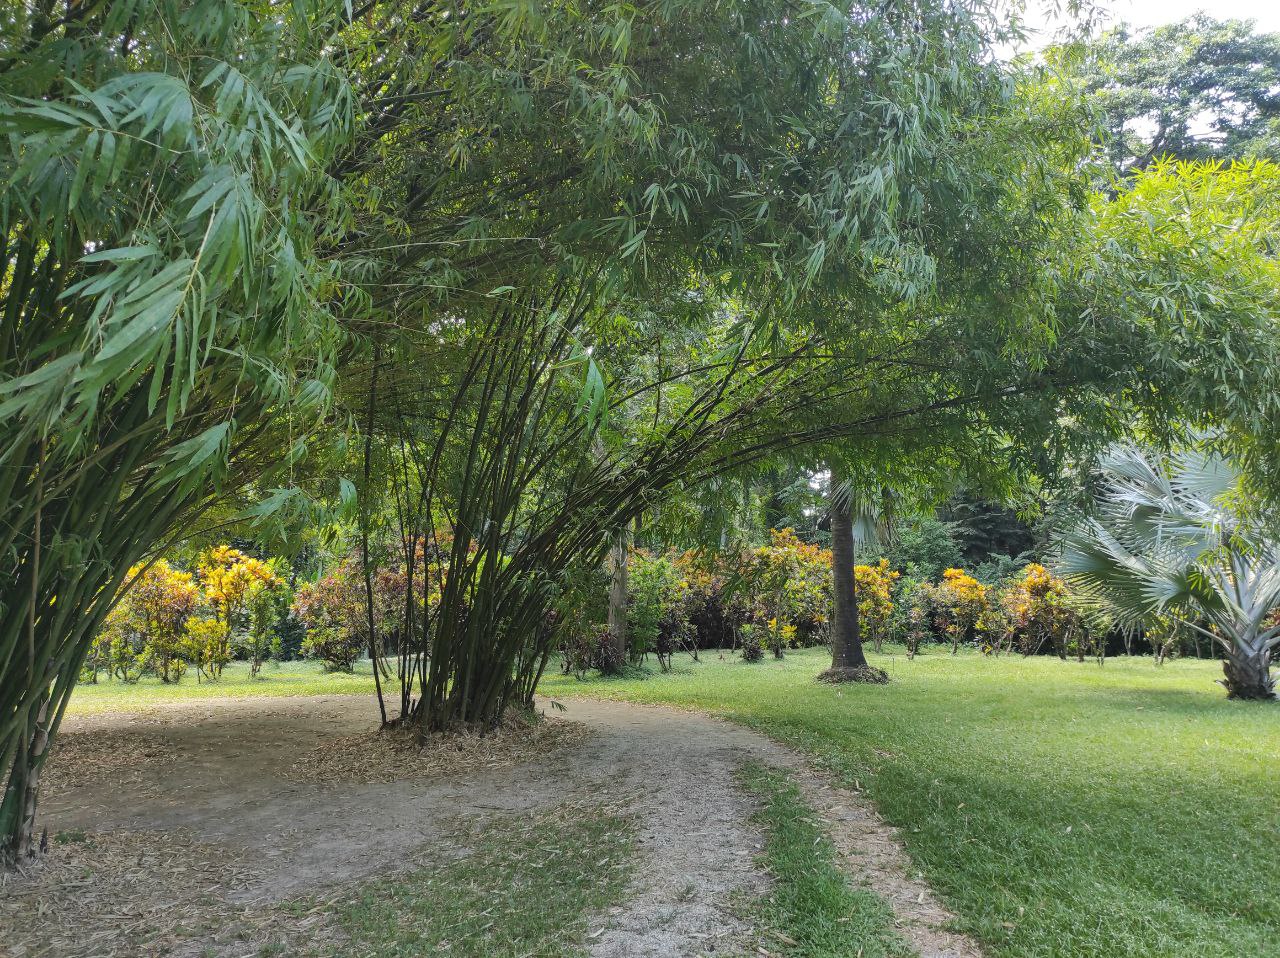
(1166, 539)
(852, 521)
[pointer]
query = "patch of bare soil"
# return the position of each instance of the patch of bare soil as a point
(92, 755)
(118, 894)
(393, 755)
(253, 803)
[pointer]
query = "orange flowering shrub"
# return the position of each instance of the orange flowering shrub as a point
(1040, 610)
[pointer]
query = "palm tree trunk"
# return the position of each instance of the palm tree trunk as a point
(1248, 674)
(848, 658)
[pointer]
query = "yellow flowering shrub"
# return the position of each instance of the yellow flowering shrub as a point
(1040, 611)
(874, 585)
(231, 581)
(964, 599)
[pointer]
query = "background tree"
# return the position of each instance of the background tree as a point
(1200, 89)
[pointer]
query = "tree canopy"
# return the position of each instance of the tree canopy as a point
(1199, 89)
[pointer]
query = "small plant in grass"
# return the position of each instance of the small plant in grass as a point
(752, 646)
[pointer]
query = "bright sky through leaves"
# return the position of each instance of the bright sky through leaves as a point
(1151, 13)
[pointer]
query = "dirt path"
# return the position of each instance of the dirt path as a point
(220, 784)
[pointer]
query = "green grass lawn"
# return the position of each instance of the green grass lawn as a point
(1061, 809)
(283, 678)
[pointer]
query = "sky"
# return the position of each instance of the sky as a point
(1150, 13)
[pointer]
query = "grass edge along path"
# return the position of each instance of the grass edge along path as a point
(298, 678)
(811, 909)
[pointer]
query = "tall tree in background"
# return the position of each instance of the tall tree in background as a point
(851, 521)
(1200, 89)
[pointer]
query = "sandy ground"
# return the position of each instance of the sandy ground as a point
(223, 826)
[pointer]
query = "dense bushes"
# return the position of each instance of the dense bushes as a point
(170, 620)
(778, 596)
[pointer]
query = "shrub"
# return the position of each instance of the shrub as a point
(715, 601)
(588, 648)
(328, 610)
(160, 601)
(752, 646)
(657, 607)
(875, 599)
(790, 580)
(913, 624)
(1041, 611)
(203, 645)
(231, 581)
(120, 646)
(961, 600)
(267, 599)
(337, 649)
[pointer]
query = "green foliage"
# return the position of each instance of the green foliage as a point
(656, 604)
(1182, 260)
(166, 315)
(1199, 89)
(1168, 537)
(922, 548)
(754, 639)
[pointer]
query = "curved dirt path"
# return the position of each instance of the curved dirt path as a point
(218, 781)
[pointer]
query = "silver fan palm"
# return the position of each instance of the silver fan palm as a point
(1165, 538)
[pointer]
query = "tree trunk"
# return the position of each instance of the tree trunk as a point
(848, 659)
(1248, 674)
(24, 783)
(617, 652)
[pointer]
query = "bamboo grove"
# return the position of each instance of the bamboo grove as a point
(506, 276)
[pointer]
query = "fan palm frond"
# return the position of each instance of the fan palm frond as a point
(1164, 539)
